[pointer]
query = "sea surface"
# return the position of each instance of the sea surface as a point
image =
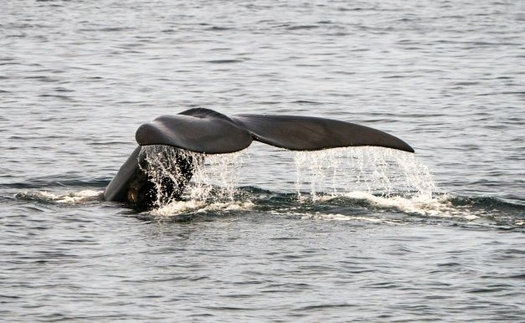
(265, 235)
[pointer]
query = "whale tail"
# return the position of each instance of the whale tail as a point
(209, 132)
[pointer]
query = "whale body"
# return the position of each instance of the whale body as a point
(206, 132)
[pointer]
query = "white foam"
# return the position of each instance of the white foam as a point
(344, 217)
(80, 197)
(64, 198)
(196, 207)
(419, 204)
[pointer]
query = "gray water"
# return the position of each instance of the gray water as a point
(361, 234)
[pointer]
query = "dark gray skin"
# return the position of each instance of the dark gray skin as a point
(209, 132)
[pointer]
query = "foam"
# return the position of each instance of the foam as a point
(64, 198)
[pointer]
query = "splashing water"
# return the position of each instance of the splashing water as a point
(326, 182)
(383, 177)
(333, 172)
(386, 179)
(374, 170)
(169, 169)
(217, 177)
(212, 186)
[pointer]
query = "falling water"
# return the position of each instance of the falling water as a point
(377, 171)
(214, 180)
(383, 177)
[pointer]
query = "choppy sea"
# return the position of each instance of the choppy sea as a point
(265, 235)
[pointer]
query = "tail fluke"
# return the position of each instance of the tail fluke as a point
(310, 133)
(198, 130)
(207, 131)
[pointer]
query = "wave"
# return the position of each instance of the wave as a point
(374, 185)
(69, 198)
(356, 206)
(53, 182)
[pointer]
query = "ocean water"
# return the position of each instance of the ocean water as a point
(265, 235)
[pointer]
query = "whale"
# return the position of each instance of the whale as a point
(207, 132)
